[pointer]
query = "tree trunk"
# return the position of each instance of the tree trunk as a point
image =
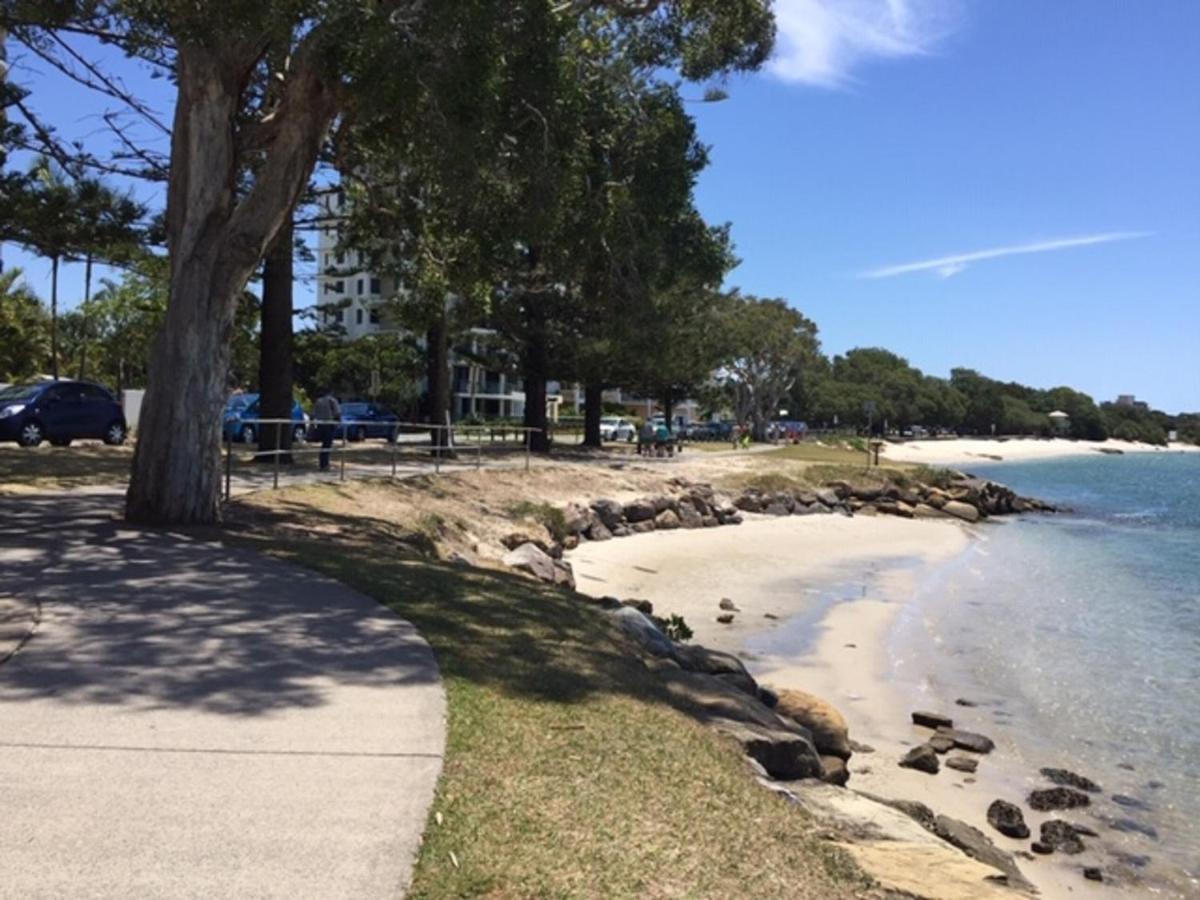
(83, 326)
(668, 402)
(437, 372)
(593, 409)
(275, 350)
(54, 317)
(536, 365)
(215, 239)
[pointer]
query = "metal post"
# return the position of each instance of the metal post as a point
(479, 453)
(278, 450)
(345, 431)
(395, 447)
(228, 465)
(528, 441)
(437, 451)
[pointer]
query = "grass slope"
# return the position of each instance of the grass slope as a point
(567, 772)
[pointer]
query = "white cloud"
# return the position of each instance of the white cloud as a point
(946, 266)
(821, 41)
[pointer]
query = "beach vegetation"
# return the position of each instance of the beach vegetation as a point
(675, 627)
(547, 515)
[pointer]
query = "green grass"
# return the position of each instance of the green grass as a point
(811, 451)
(47, 467)
(568, 772)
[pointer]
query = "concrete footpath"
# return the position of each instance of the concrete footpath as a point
(190, 720)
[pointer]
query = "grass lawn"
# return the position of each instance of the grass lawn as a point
(811, 451)
(47, 467)
(568, 773)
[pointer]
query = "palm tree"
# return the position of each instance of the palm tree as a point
(71, 219)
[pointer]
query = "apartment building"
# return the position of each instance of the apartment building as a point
(353, 297)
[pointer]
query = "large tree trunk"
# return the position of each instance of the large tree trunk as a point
(437, 372)
(536, 371)
(275, 350)
(593, 400)
(215, 240)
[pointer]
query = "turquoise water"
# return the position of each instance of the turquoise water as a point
(1082, 632)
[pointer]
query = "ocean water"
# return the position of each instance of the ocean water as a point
(1080, 634)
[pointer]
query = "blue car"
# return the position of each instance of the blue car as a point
(60, 412)
(367, 420)
(241, 415)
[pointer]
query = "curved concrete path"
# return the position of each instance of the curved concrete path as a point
(190, 720)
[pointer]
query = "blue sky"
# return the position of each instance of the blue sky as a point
(894, 170)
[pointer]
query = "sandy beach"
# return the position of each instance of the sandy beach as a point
(818, 598)
(964, 451)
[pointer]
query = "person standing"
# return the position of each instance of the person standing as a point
(328, 413)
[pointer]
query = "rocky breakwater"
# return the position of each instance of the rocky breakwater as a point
(798, 745)
(959, 497)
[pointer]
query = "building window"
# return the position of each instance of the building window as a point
(374, 317)
(358, 317)
(360, 287)
(341, 257)
(375, 286)
(339, 316)
(339, 286)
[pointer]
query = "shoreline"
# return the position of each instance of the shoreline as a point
(965, 451)
(824, 622)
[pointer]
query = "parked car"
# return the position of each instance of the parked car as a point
(614, 428)
(241, 415)
(60, 412)
(368, 420)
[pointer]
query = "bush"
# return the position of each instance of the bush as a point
(549, 517)
(675, 627)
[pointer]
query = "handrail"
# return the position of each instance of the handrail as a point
(438, 449)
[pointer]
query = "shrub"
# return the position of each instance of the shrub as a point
(549, 517)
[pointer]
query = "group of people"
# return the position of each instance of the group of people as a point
(656, 440)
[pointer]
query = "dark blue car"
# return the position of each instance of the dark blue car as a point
(241, 419)
(367, 420)
(60, 412)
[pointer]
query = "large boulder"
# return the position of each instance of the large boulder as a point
(968, 740)
(834, 770)
(1062, 836)
(725, 666)
(1067, 778)
(610, 512)
(689, 517)
(829, 497)
(923, 758)
(666, 520)
(961, 510)
(541, 565)
(576, 519)
(640, 511)
(978, 845)
(830, 733)
(782, 754)
(598, 531)
(638, 627)
(1007, 819)
(1057, 798)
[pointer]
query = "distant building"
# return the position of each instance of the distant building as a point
(1060, 421)
(351, 296)
(1129, 401)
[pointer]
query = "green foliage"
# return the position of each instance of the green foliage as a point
(545, 514)
(24, 330)
(325, 360)
(1129, 423)
(675, 627)
(770, 345)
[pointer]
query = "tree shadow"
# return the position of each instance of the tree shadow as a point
(155, 619)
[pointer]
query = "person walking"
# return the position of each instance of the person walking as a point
(328, 412)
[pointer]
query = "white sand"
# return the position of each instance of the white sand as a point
(963, 451)
(784, 568)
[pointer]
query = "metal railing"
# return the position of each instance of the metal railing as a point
(459, 439)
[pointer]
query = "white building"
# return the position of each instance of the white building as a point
(352, 296)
